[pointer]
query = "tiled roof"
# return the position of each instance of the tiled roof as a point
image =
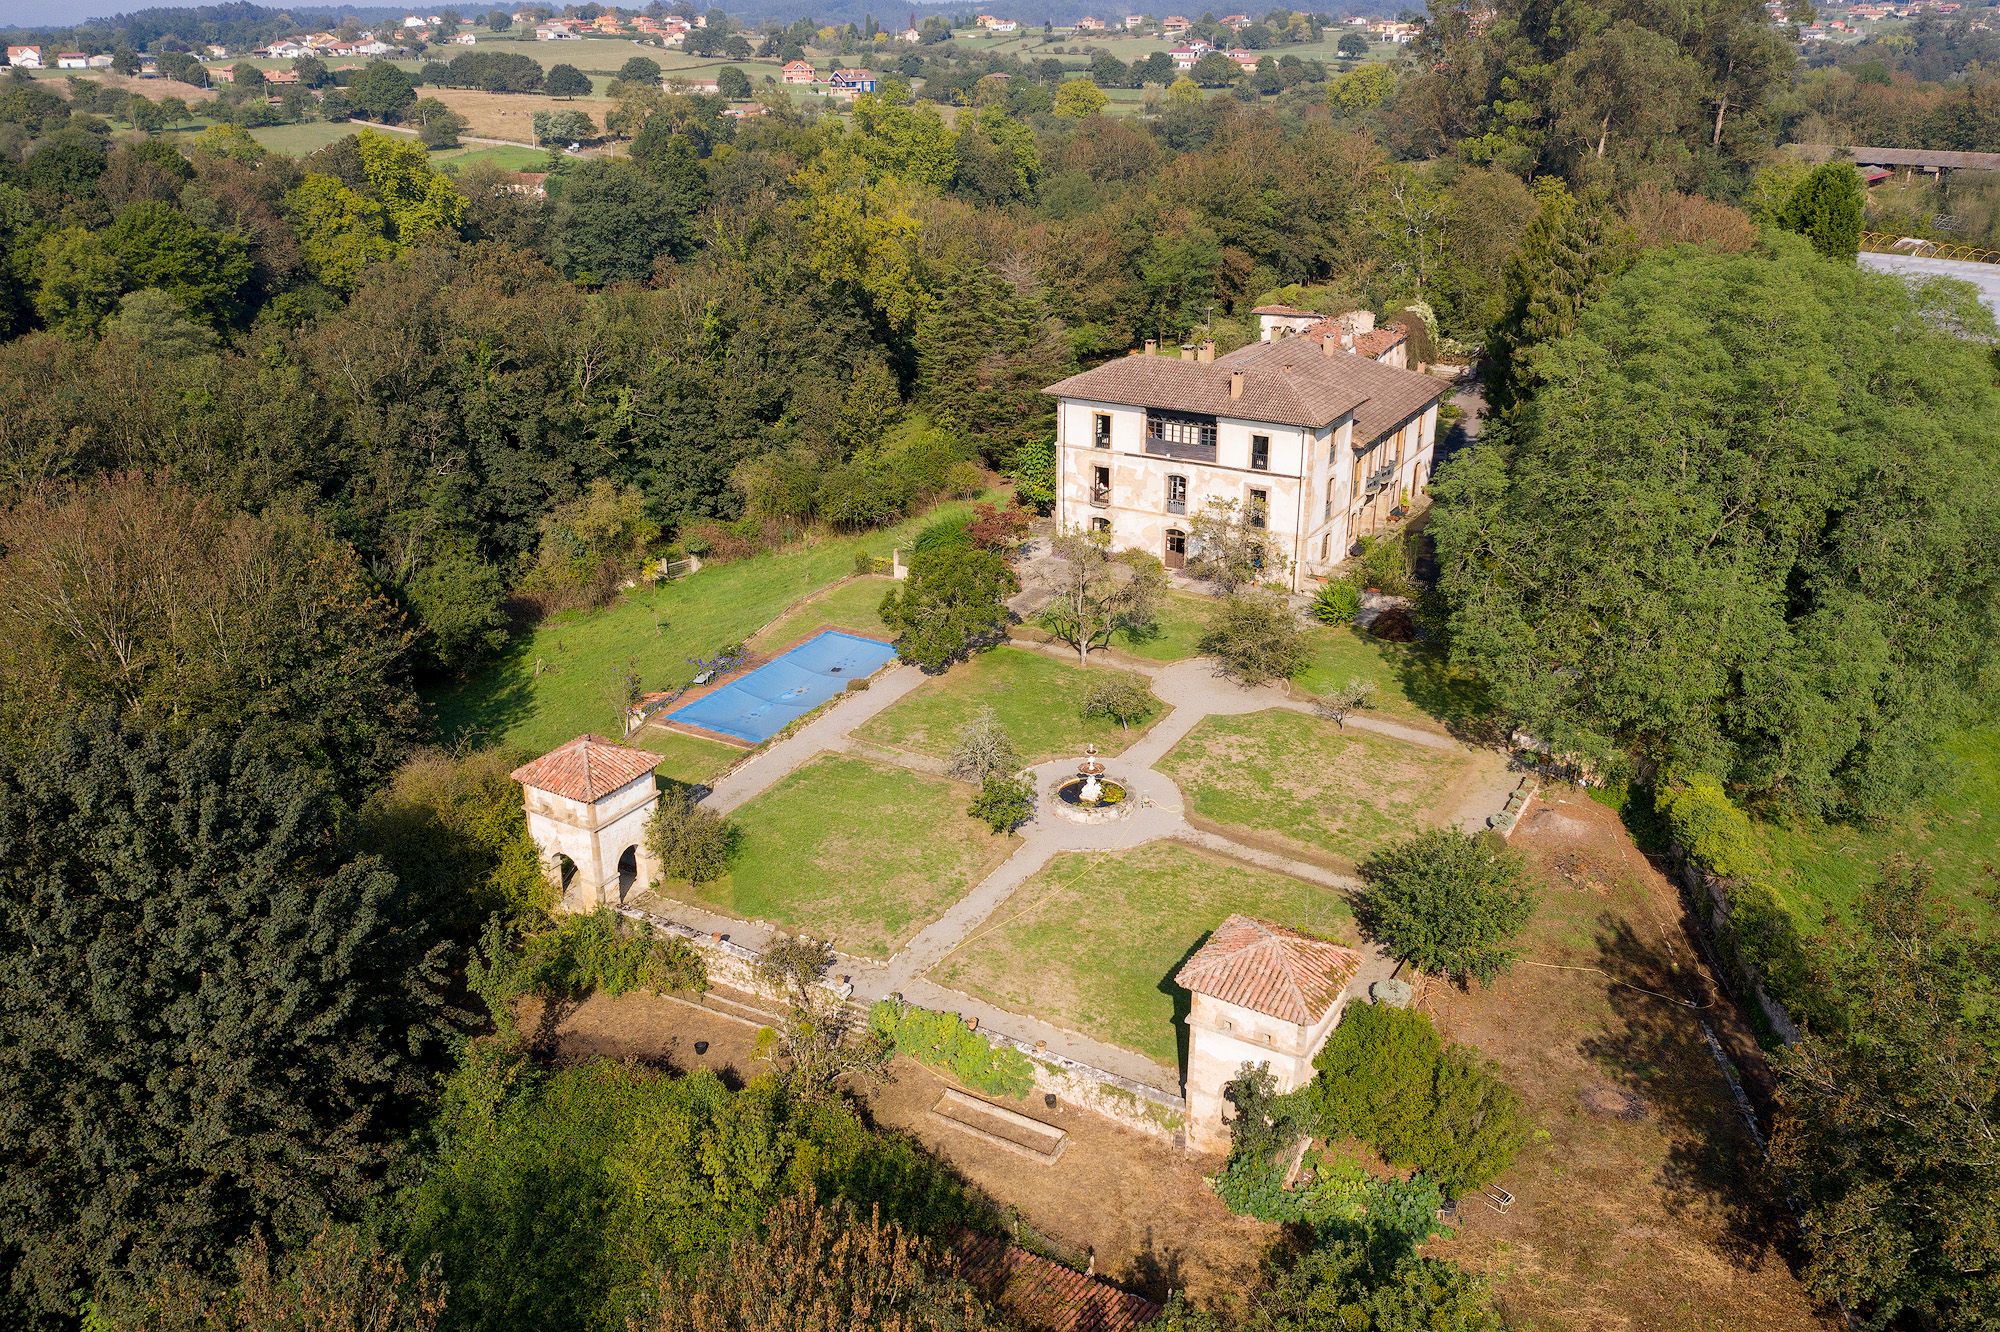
(1269, 969)
(1291, 381)
(1284, 310)
(586, 769)
(1375, 343)
(1045, 1295)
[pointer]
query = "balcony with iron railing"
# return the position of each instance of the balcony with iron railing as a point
(1100, 497)
(1176, 505)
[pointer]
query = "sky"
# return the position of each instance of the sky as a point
(48, 13)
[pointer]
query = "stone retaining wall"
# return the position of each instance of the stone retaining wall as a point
(1708, 902)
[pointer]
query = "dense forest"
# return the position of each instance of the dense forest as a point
(286, 443)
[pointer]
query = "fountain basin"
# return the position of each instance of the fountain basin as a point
(1114, 800)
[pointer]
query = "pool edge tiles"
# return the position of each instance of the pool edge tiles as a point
(760, 703)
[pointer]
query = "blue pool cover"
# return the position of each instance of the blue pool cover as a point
(786, 688)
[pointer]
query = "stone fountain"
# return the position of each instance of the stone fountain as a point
(1090, 796)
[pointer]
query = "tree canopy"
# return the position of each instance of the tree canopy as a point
(217, 1019)
(1719, 538)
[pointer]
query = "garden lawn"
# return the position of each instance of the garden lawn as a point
(566, 677)
(309, 137)
(861, 854)
(1092, 941)
(1037, 698)
(853, 605)
(1411, 682)
(1302, 785)
(1183, 619)
(687, 760)
(1817, 869)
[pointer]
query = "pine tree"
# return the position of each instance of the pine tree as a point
(216, 1021)
(1567, 256)
(1825, 208)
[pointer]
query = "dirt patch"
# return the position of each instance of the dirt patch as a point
(1136, 1204)
(1642, 1203)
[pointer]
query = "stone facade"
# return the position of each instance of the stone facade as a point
(1328, 444)
(587, 805)
(1222, 1037)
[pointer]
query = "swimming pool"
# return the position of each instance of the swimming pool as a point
(786, 688)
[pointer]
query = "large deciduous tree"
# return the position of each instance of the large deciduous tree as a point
(137, 597)
(1743, 526)
(1889, 1121)
(1097, 593)
(954, 600)
(216, 1020)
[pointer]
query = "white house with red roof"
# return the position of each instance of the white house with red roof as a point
(72, 60)
(587, 804)
(25, 57)
(1316, 437)
(799, 72)
(1262, 994)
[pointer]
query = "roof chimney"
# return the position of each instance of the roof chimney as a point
(1329, 344)
(1206, 352)
(1152, 346)
(1235, 384)
(1346, 338)
(1187, 352)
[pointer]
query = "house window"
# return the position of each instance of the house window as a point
(1260, 453)
(1331, 482)
(1325, 547)
(1100, 486)
(1100, 524)
(1260, 508)
(1176, 494)
(1100, 430)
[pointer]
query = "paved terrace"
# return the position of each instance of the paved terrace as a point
(1191, 691)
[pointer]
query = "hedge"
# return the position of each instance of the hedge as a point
(943, 1041)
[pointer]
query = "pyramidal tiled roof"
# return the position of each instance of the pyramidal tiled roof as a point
(587, 768)
(1269, 969)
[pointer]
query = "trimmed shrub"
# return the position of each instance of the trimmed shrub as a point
(1448, 901)
(1004, 803)
(1388, 1079)
(942, 1041)
(1337, 603)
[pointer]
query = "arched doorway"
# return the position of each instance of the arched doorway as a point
(1176, 555)
(566, 868)
(628, 873)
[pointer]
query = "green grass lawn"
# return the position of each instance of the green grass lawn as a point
(298, 140)
(862, 854)
(1818, 869)
(1304, 786)
(564, 677)
(1183, 619)
(1411, 682)
(852, 605)
(507, 157)
(1092, 941)
(1037, 699)
(687, 760)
